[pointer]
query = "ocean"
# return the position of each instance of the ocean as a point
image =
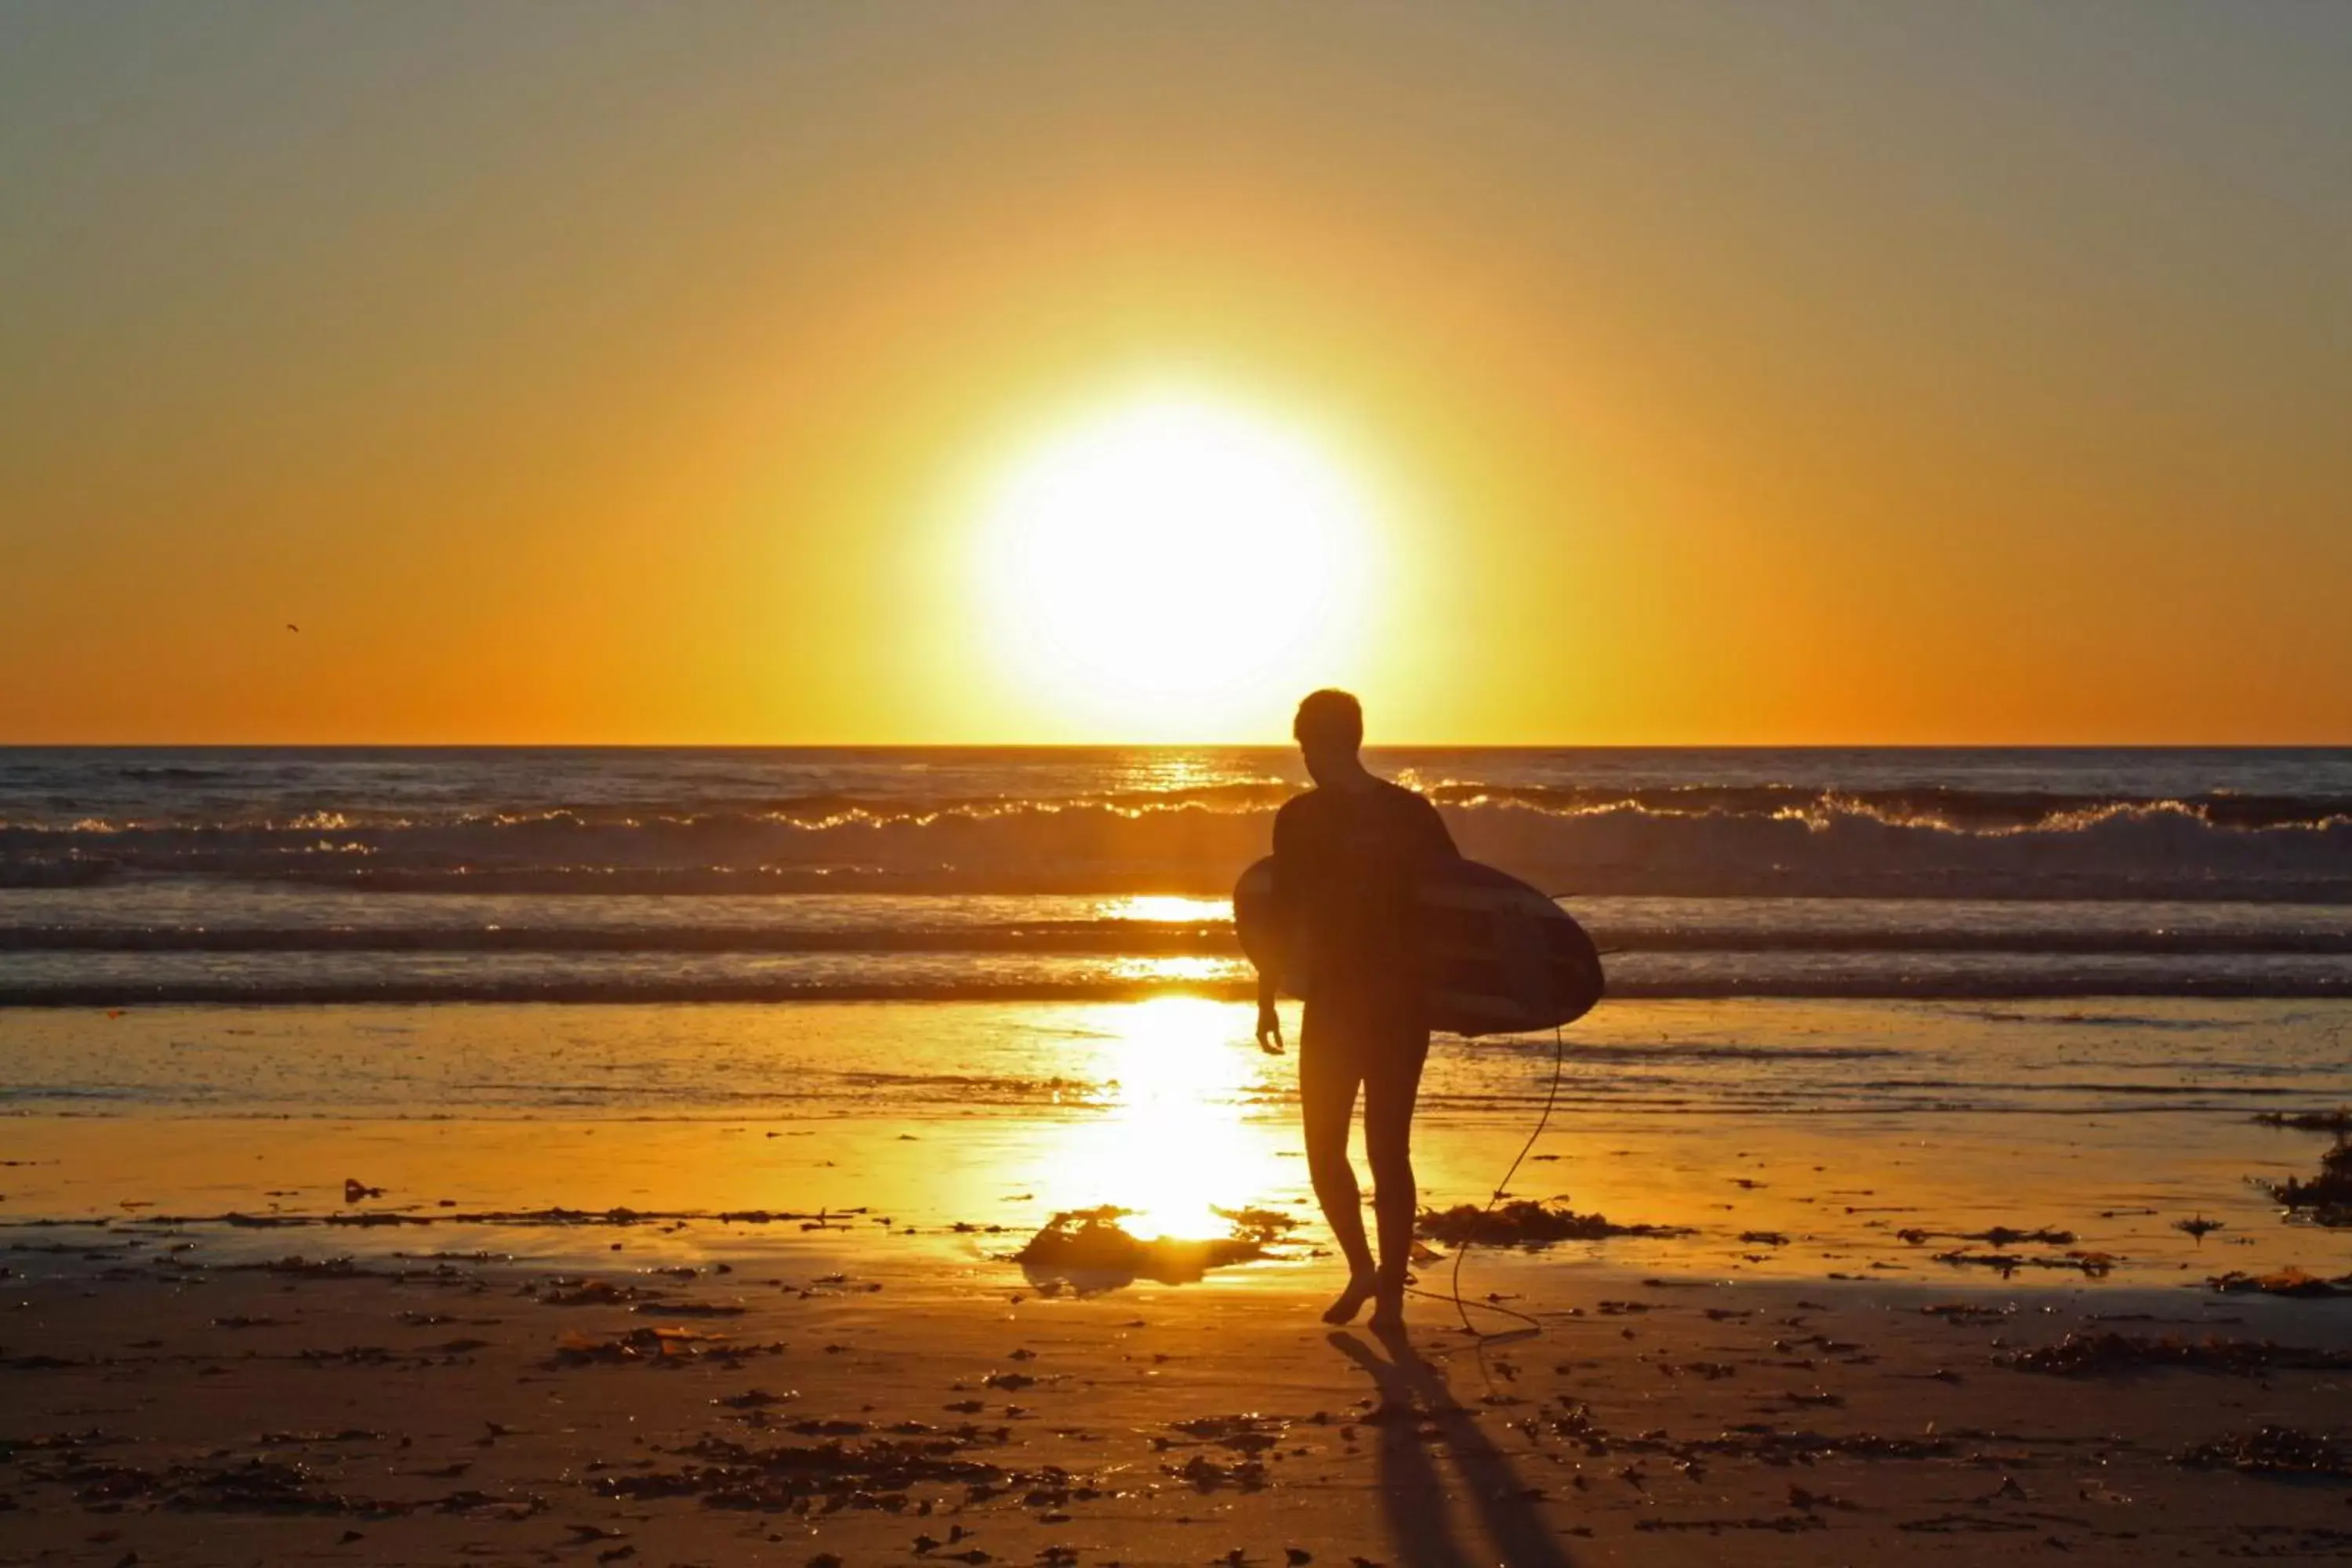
(983, 986)
(410, 875)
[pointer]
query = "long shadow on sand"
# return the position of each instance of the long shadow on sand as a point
(1414, 1496)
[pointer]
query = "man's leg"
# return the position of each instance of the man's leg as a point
(1391, 1086)
(1327, 1076)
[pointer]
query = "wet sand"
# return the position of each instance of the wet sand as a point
(163, 1409)
(571, 1336)
(1798, 1198)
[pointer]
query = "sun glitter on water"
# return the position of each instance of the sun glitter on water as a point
(1175, 569)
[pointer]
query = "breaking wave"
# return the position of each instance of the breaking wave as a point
(1685, 841)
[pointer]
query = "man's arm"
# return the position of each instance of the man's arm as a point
(1269, 1022)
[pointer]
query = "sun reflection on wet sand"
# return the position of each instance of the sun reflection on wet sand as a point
(1175, 1145)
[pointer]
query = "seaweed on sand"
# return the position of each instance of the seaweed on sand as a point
(2082, 1356)
(2093, 1264)
(2288, 1281)
(875, 1473)
(1525, 1223)
(2273, 1451)
(2339, 1120)
(1092, 1250)
(1996, 1236)
(2325, 1197)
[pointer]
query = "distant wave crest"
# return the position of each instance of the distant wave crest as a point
(1691, 841)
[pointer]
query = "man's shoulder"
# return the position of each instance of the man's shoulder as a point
(1299, 809)
(1403, 799)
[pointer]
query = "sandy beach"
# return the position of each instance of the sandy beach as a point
(597, 1333)
(165, 1410)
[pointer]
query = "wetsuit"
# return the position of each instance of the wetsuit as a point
(1347, 864)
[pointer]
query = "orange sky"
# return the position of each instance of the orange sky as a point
(1719, 374)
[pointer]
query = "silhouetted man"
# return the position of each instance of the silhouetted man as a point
(1348, 857)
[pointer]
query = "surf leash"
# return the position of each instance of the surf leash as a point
(1462, 1308)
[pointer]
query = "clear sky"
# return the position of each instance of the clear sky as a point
(1635, 373)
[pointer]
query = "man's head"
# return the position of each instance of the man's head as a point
(1329, 728)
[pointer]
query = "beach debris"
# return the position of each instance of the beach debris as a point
(2273, 1451)
(1246, 1434)
(1961, 1313)
(1996, 1236)
(1745, 1441)
(2096, 1265)
(252, 1486)
(2326, 1198)
(1967, 1524)
(1089, 1249)
(2287, 1281)
(2082, 1354)
(2339, 1120)
(1786, 1524)
(1712, 1371)
(1524, 1222)
(578, 1292)
(1207, 1475)
(2199, 1227)
(755, 1399)
(573, 1348)
(871, 1473)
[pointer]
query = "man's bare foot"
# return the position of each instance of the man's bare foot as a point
(1352, 1300)
(1390, 1311)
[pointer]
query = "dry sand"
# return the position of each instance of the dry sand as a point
(160, 1409)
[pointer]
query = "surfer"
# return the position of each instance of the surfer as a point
(1347, 856)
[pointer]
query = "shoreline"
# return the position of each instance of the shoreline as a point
(69, 998)
(2036, 1200)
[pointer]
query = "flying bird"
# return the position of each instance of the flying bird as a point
(292, 628)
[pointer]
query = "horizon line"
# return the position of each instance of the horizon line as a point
(1284, 745)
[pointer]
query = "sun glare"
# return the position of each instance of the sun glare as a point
(1175, 1148)
(1175, 569)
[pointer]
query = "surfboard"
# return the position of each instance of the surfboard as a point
(1502, 958)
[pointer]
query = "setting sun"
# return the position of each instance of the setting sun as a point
(1175, 568)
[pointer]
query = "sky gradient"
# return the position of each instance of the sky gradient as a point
(1731, 374)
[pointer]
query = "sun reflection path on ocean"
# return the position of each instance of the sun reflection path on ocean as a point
(1174, 1143)
(1165, 909)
